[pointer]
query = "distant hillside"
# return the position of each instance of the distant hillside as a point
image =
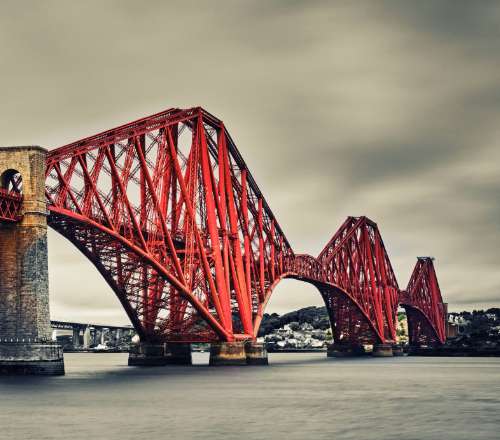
(316, 316)
(475, 330)
(478, 329)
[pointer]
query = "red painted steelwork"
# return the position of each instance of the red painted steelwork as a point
(10, 206)
(356, 261)
(424, 305)
(168, 212)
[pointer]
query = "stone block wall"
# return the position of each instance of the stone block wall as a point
(24, 290)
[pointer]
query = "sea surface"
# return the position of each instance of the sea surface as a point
(299, 396)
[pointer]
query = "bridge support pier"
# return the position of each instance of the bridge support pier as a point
(345, 349)
(417, 350)
(146, 354)
(26, 345)
(256, 353)
(397, 350)
(31, 358)
(227, 353)
(382, 350)
(179, 354)
(86, 337)
(76, 337)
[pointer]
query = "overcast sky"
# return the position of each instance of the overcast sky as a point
(384, 109)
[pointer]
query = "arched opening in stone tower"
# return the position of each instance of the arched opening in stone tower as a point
(11, 181)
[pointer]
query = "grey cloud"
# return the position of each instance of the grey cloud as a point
(384, 109)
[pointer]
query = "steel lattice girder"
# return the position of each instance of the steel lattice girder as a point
(356, 261)
(167, 210)
(10, 206)
(424, 305)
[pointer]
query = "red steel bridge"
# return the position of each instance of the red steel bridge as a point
(168, 212)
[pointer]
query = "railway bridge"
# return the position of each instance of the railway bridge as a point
(168, 212)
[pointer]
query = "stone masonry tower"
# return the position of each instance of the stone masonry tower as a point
(25, 333)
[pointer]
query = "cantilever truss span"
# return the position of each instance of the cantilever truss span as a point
(168, 212)
(424, 305)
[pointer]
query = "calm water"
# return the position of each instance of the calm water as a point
(299, 396)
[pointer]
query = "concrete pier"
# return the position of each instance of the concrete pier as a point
(227, 353)
(31, 358)
(146, 354)
(397, 350)
(345, 349)
(179, 354)
(382, 350)
(86, 337)
(256, 353)
(26, 345)
(76, 337)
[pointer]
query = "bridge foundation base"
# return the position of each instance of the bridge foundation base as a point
(153, 355)
(382, 350)
(339, 349)
(147, 355)
(179, 354)
(256, 353)
(417, 350)
(397, 350)
(227, 353)
(27, 358)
